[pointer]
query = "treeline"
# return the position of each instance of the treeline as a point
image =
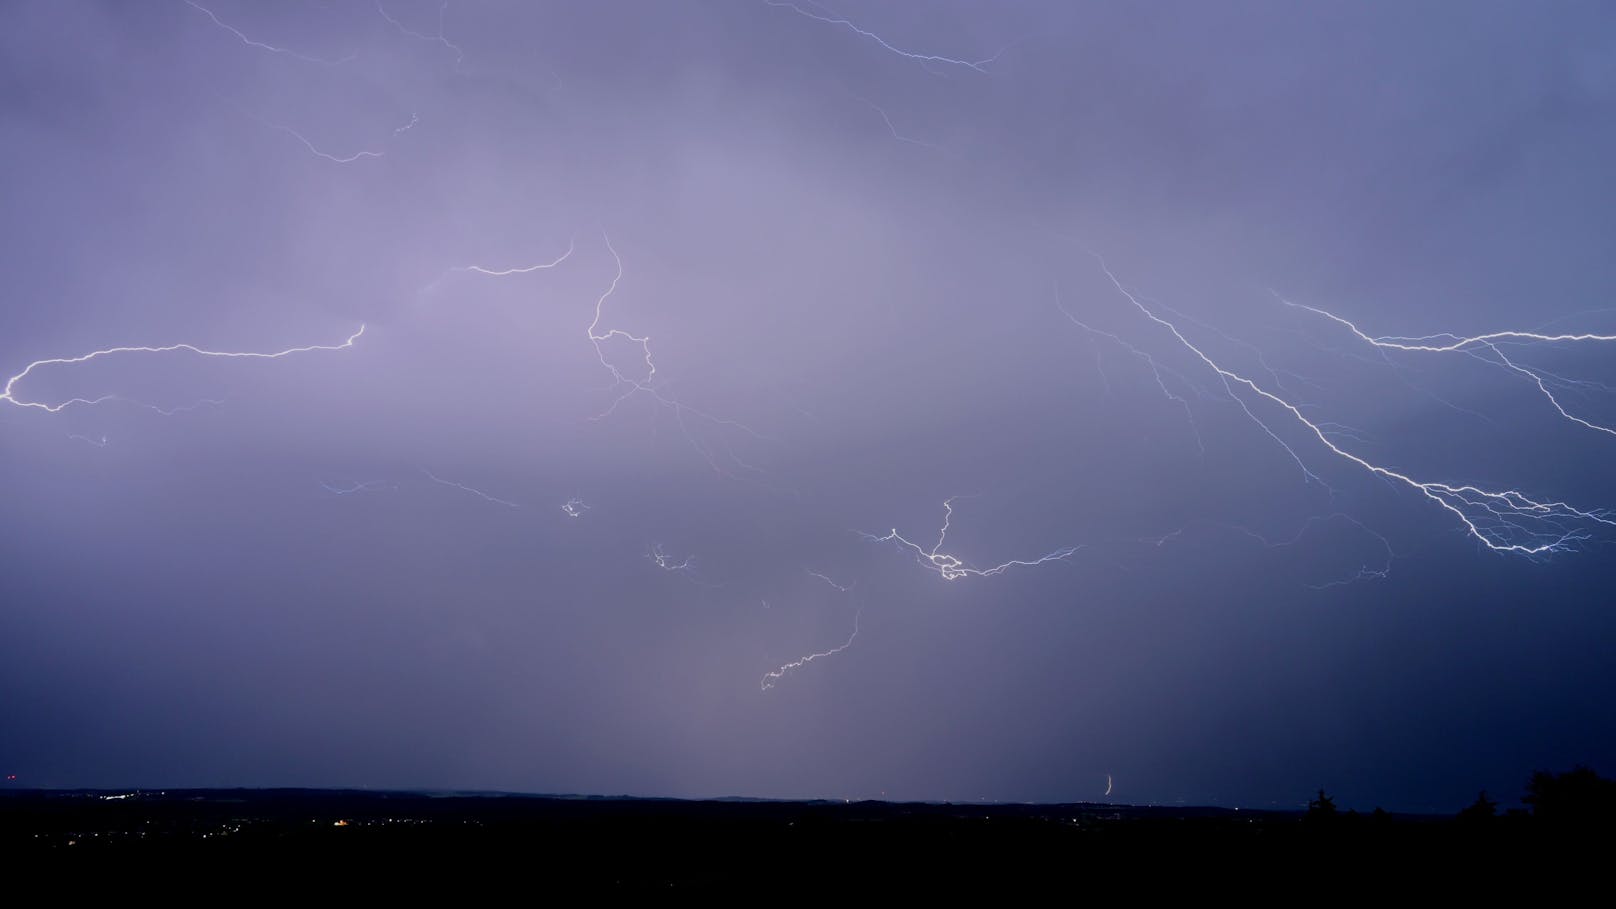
(1577, 799)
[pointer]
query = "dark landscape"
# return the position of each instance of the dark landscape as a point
(734, 844)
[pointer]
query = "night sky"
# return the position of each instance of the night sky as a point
(683, 321)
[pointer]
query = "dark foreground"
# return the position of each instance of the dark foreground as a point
(762, 847)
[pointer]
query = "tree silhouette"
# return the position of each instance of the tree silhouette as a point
(1321, 809)
(1577, 798)
(1481, 810)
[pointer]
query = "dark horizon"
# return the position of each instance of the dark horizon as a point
(170, 792)
(573, 398)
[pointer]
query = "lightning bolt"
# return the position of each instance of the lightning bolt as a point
(1228, 379)
(336, 159)
(952, 568)
(1475, 345)
(626, 386)
(160, 411)
(833, 19)
(664, 561)
(183, 408)
(644, 343)
(1156, 368)
(261, 45)
(463, 487)
(365, 486)
(502, 272)
(308, 143)
(460, 55)
(686, 568)
(574, 508)
(9, 393)
(627, 381)
(1275, 374)
(1428, 343)
(100, 442)
(1365, 572)
(1108, 784)
(844, 588)
(775, 675)
(520, 269)
(894, 130)
(1504, 520)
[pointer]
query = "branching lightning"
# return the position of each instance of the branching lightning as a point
(9, 393)
(686, 568)
(1479, 346)
(1156, 368)
(775, 675)
(574, 508)
(625, 386)
(1505, 520)
(622, 383)
(1365, 572)
(261, 45)
(822, 15)
(952, 568)
(769, 678)
(664, 561)
(281, 127)
(460, 55)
